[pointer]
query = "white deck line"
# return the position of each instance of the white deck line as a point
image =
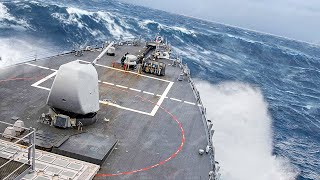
(44, 79)
(108, 83)
(44, 88)
(137, 90)
(127, 71)
(124, 87)
(187, 102)
(156, 107)
(146, 92)
(154, 110)
(121, 107)
(107, 103)
(176, 99)
(160, 96)
(42, 67)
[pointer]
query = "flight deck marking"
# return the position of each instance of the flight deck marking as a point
(108, 83)
(183, 139)
(162, 97)
(146, 92)
(137, 90)
(152, 113)
(156, 107)
(42, 67)
(176, 99)
(121, 107)
(191, 103)
(36, 84)
(124, 87)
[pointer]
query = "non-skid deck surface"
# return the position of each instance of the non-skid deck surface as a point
(156, 119)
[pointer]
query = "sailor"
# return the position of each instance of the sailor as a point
(124, 58)
(139, 67)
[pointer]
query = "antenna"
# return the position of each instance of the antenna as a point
(102, 53)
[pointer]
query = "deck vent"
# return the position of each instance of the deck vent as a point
(9, 133)
(19, 126)
(201, 151)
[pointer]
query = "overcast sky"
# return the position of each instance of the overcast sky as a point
(297, 19)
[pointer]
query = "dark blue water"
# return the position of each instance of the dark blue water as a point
(287, 71)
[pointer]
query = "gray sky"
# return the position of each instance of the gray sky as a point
(297, 19)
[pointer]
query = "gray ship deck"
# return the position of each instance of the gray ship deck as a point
(155, 142)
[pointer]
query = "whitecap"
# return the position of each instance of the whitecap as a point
(243, 136)
(6, 16)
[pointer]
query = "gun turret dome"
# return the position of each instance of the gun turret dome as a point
(75, 89)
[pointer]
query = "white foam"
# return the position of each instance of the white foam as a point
(5, 15)
(106, 18)
(79, 12)
(144, 23)
(243, 136)
(114, 29)
(13, 51)
(225, 57)
(184, 30)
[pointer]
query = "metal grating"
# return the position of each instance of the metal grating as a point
(12, 166)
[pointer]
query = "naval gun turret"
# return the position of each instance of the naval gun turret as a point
(74, 95)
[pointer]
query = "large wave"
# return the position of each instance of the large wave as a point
(8, 20)
(286, 71)
(243, 134)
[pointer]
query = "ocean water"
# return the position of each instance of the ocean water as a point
(262, 91)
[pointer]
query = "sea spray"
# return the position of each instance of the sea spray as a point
(243, 136)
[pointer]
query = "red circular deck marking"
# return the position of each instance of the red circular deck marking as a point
(161, 162)
(14, 79)
(142, 169)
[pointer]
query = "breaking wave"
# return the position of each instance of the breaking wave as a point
(286, 71)
(9, 21)
(243, 134)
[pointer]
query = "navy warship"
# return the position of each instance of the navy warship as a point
(127, 109)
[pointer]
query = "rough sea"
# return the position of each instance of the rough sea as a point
(261, 91)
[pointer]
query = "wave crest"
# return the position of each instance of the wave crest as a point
(243, 137)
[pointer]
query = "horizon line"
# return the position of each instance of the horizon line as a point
(230, 25)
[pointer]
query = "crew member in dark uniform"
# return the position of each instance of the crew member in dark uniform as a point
(124, 58)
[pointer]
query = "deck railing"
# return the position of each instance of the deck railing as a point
(10, 167)
(208, 124)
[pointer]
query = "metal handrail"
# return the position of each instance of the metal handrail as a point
(206, 123)
(15, 145)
